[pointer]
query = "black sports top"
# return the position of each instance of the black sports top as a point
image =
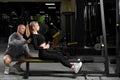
(37, 40)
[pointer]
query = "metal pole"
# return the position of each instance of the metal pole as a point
(104, 37)
(117, 37)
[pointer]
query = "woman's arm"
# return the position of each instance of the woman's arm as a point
(45, 46)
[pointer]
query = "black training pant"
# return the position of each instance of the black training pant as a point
(45, 55)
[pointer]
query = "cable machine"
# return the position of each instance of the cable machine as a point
(102, 46)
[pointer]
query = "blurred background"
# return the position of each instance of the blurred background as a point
(75, 21)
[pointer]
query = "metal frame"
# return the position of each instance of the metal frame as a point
(104, 50)
(106, 62)
(117, 37)
(104, 37)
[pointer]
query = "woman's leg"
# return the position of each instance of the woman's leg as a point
(54, 56)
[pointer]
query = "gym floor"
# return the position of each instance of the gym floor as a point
(54, 71)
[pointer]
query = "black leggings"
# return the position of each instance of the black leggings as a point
(43, 54)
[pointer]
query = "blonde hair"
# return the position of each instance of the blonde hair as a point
(32, 23)
(29, 28)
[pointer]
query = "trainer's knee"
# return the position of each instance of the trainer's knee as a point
(7, 59)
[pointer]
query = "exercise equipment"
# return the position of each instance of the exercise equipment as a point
(91, 21)
(91, 8)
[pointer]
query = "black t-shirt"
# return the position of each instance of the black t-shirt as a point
(37, 40)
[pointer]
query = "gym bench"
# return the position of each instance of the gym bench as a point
(32, 60)
(35, 60)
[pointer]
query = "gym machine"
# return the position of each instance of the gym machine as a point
(102, 44)
(76, 34)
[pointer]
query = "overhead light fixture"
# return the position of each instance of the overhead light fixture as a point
(50, 4)
(51, 7)
(42, 11)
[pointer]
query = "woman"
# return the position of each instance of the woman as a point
(39, 43)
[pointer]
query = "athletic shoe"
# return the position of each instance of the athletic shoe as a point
(18, 68)
(6, 71)
(77, 67)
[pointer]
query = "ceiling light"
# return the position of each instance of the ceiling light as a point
(49, 3)
(51, 7)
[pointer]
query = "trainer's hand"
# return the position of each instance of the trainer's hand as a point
(29, 40)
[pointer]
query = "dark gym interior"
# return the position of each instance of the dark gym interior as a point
(84, 28)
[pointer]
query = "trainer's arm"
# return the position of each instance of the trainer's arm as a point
(14, 41)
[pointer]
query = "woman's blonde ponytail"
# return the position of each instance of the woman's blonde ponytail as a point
(27, 32)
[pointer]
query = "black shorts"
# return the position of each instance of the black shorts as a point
(15, 57)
